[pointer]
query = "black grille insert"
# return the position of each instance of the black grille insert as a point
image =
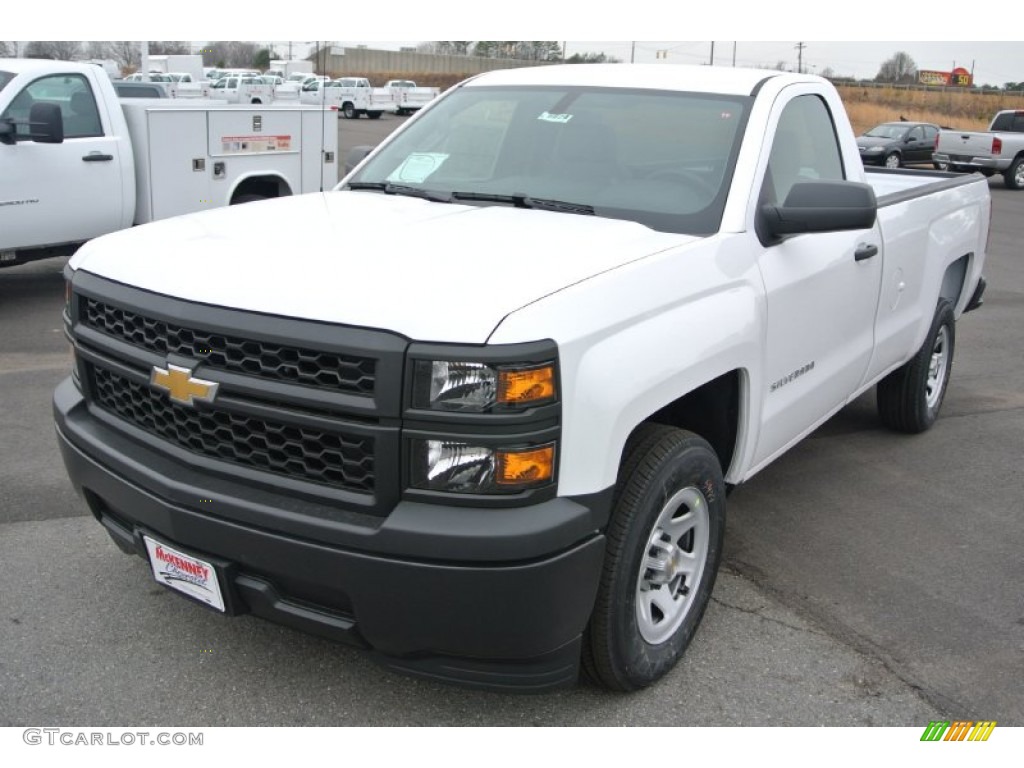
(326, 457)
(279, 362)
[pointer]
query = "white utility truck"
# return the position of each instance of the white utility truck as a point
(77, 162)
(351, 96)
(498, 441)
(243, 89)
(410, 97)
(178, 64)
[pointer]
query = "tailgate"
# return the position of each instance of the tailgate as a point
(965, 144)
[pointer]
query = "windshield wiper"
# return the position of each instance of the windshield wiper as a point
(400, 189)
(520, 200)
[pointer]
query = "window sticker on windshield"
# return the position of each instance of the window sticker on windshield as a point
(550, 118)
(417, 167)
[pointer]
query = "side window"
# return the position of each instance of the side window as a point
(69, 92)
(805, 149)
(916, 134)
(930, 132)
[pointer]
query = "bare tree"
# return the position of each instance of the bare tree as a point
(62, 50)
(99, 49)
(166, 47)
(900, 68)
(229, 53)
(127, 53)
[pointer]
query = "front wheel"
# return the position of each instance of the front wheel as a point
(1014, 175)
(664, 545)
(349, 111)
(892, 160)
(910, 397)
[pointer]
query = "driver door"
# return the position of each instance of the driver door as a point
(60, 193)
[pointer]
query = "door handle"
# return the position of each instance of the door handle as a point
(96, 157)
(865, 251)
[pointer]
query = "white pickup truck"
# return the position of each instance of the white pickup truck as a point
(998, 150)
(351, 96)
(507, 448)
(410, 97)
(77, 163)
(241, 89)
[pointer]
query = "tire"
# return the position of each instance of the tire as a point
(257, 101)
(892, 160)
(1014, 175)
(375, 115)
(941, 166)
(349, 111)
(643, 620)
(251, 198)
(910, 397)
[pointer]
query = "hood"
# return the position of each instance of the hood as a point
(429, 271)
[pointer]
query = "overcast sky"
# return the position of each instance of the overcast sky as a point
(608, 28)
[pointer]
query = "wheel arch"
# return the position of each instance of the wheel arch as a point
(260, 183)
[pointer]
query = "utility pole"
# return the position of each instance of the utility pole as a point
(734, 53)
(712, 53)
(800, 57)
(632, 52)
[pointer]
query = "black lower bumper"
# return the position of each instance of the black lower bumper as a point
(501, 625)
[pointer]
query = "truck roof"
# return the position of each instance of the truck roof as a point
(731, 80)
(42, 65)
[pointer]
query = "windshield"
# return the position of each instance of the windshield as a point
(5, 78)
(660, 158)
(887, 131)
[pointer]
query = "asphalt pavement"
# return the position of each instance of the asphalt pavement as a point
(870, 578)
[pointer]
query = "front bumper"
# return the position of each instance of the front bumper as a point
(508, 614)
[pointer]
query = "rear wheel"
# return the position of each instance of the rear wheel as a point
(892, 160)
(910, 397)
(374, 115)
(664, 544)
(1014, 175)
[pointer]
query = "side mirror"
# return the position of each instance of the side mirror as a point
(45, 126)
(355, 156)
(818, 206)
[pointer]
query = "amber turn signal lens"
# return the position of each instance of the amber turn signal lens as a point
(525, 467)
(526, 386)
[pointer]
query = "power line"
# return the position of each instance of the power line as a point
(800, 57)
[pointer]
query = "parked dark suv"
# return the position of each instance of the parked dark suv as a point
(896, 144)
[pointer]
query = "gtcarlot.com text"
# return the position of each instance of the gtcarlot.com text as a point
(70, 737)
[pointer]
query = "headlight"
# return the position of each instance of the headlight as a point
(457, 467)
(477, 388)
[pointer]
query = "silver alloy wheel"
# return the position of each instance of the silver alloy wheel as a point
(1018, 175)
(671, 570)
(892, 161)
(937, 368)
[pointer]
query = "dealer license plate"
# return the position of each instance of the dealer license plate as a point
(190, 575)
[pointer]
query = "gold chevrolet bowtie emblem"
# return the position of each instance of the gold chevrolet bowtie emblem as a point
(184, 389)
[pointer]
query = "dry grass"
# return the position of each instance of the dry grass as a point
(963, 110)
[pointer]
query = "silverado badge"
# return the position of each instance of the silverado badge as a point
(184, 389)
